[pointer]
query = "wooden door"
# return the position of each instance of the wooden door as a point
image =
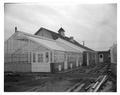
(38, 62)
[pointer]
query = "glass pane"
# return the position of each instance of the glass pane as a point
(40, 57)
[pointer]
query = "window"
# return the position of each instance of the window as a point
(47, 57)
(40, 57)
(34, 57)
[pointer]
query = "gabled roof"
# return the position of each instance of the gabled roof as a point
(57, 35)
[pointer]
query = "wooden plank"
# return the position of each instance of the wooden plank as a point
(95, 85)
(78, 88)
(70, 89)
(96, 89)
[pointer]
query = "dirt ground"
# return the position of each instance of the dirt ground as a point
(18, 83)
(59, 82)
(48, 84)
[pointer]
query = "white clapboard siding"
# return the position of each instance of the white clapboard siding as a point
(17, 67)
(40, 67)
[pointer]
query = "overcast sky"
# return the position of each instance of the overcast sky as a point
(96, 24)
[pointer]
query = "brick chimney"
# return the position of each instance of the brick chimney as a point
(15, 29)
(61, 31)
(71, 38)
(83, 43)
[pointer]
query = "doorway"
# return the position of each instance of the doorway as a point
(101, 58)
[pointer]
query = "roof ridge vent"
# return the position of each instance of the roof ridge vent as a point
(61, 31)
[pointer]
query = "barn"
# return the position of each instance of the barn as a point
(45, 51)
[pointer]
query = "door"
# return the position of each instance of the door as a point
(101, 58)
(39, 63)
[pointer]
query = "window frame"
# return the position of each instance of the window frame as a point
(40, 57)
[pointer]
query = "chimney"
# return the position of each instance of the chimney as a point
(15, 29)
(83, 43)
(61, 31)
(71, 39)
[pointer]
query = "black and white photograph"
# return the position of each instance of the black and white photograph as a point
(60, 47)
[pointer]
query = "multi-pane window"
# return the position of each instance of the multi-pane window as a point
(34, 57)
(40, 57)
